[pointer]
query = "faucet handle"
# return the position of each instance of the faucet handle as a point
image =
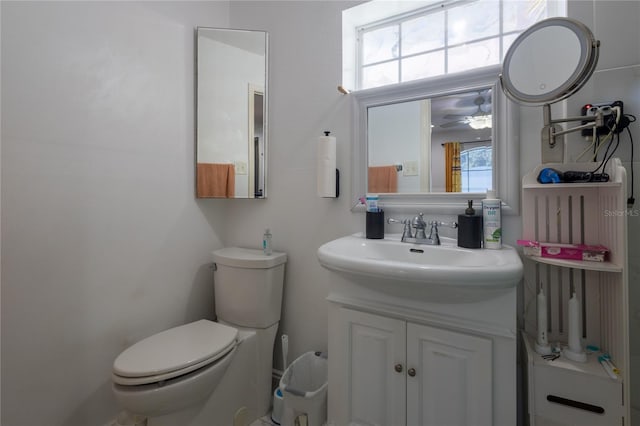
(406, 231)
(437, 223)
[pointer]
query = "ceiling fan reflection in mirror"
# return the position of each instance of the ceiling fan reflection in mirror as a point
(479, 119)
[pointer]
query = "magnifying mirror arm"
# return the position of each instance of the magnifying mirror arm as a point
(550, 131)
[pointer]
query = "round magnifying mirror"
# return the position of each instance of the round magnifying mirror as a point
(549, 61)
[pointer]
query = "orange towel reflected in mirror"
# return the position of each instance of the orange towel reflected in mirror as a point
(382, 179)
(215, 180)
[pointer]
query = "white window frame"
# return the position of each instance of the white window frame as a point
(377, 14)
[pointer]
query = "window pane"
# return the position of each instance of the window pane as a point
(474, 55)
(423, 34)
(380, 45)
(521, 14)
(476, 166)
(477, 20)
(507, 41)
(423, 66)
(380, 75)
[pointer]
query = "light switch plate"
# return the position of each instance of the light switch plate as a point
(241, 167)
(410, 168)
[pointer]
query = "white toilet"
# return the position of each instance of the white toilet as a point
(211, 373)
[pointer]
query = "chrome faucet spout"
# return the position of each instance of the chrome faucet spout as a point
(420, 226)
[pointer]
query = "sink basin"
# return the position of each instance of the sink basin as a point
(446, 265)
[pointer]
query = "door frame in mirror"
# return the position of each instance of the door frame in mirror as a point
(505, 144)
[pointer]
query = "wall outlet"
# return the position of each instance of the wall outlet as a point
(609, 117)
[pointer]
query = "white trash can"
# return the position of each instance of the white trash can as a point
(304, 387)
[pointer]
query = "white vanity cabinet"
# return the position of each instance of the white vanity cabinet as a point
(385, 370)
(420, 335)
(448, 375)
(398, 372)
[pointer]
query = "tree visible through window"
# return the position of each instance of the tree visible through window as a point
(475, 168)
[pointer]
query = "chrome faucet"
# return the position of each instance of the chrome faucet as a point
(420, 226)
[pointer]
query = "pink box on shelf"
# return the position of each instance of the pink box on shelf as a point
(592, 253)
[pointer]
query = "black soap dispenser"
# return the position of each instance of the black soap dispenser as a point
(469, 228)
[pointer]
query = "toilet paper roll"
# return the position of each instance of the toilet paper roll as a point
(326, 166)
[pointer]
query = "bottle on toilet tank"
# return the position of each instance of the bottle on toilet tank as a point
(492, 221)
(266, 242)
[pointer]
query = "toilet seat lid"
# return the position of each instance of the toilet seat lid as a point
(176, 349)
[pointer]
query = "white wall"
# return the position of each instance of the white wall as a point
(394, 136)
(103, 242)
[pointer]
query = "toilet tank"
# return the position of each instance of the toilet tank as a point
(248, 286)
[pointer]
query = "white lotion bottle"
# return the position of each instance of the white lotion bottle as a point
(492, 221)
(542, 340)
(266, 242)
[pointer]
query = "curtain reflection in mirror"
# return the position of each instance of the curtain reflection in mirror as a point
(452, 167)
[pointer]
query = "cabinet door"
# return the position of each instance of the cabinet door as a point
(449, 378)
(375, 350)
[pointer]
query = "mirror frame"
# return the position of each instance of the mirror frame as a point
(589, 53)
(505, 142)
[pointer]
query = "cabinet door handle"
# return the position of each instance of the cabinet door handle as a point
(411, 372)
(398, 368)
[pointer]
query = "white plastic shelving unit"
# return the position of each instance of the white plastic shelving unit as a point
(564, 392)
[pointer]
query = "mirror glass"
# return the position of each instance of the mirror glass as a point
(402, 133)
(231, 138)
(413, 145)
(549, 61)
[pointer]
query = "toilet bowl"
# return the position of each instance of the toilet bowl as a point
(205, 372)
(173, 369)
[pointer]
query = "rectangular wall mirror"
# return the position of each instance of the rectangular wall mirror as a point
(436, 143)
(231, 136)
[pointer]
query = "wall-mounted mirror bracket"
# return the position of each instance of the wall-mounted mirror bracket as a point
(552, 148)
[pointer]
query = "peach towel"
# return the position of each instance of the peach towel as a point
(383, 179)
(215, 180)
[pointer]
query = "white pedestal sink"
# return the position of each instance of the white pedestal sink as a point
(440, 273)
(421, 335)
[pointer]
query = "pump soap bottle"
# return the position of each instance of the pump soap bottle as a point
(469, 228)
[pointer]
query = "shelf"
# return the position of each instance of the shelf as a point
(592, 367)
(577, 264)
(590, 185)
(530, 180)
